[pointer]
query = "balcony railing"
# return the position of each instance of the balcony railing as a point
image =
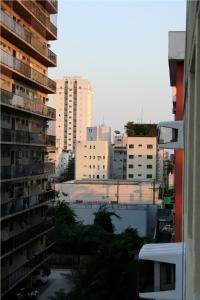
(29, 234)
(15, 171)
(34, 106)
(14, 278)
(26, 137)
(30, 5)
(26, 70)
(22, 203)
(27, 36)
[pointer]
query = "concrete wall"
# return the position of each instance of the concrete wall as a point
(141, 217)
(124, 192)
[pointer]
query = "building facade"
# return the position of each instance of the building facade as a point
(93, 154)
(191, 116)
(119, 157)
(176, 54)
(73, 102)
(26, 28)
(141, 158)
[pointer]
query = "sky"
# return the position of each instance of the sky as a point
(121, 47)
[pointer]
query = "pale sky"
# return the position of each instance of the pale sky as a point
(121, 47)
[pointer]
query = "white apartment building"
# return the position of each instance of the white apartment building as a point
(93, 154)
(73, 103)
(141, 158)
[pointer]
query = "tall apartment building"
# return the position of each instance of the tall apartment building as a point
(26, 29)
(93, 154)
(142, 154)
(73, 103)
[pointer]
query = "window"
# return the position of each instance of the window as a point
(103, 176)
(89, 176)
(93, 176)
(89, 166)
(139, 165)
(90, 147)
(140, 145)
(93, 147)
(93, 157)
(149, 166)
(167, 276)
(131, 156)
(97, 176)
(90, 157)
(149, 146)
(131, 146)
(139, 155)
(103, 167)
(85, 146)
(149, 156)
(130, 166)
(93, 166)
(85, 156)
(130, 176)
(103, 157)
(149, 175)
(139, 175)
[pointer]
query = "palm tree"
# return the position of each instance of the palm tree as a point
(103, 218)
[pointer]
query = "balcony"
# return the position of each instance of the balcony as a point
(10, 281)
(50, 5)
(25, 237)
(24, 39)
(12, 66)
(26, 137)
(16, 171)
(27, 105)
(23, 204)
(33, 15)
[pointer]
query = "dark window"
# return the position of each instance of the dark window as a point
(130, 175)
(149, 166)
(131, 156)
(139, 155)
(131, 146)
(140, 145)
(149, 175)
(149, 146)
(149, 156)
(139, 175)
(130, 166)
(167, 276)
(97, 176)
(139, 165)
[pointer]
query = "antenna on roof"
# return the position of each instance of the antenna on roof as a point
(142, 115)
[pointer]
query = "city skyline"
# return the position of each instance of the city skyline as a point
(114, 58)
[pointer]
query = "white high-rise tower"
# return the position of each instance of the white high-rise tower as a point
(73, 103)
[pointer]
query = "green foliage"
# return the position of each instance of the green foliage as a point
(103, 218)
(110, 272)
(62, 213)
(133, 129)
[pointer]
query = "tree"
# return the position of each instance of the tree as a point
(63, 214)
(129, 128)
(103, 218)
(70, 175)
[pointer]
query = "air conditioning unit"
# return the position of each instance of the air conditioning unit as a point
(170, 135)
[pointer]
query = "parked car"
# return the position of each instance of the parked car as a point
(168, 228)
(40, 277)
(25, 294)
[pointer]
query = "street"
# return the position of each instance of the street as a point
(58, 279)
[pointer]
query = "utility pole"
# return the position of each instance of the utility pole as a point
(154, 191)
(117, 191)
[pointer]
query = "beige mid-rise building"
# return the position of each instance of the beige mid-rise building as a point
(26, 28)
(93, 154)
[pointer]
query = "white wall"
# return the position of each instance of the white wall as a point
(140, 160)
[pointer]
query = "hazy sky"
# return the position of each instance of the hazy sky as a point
(121, 47)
